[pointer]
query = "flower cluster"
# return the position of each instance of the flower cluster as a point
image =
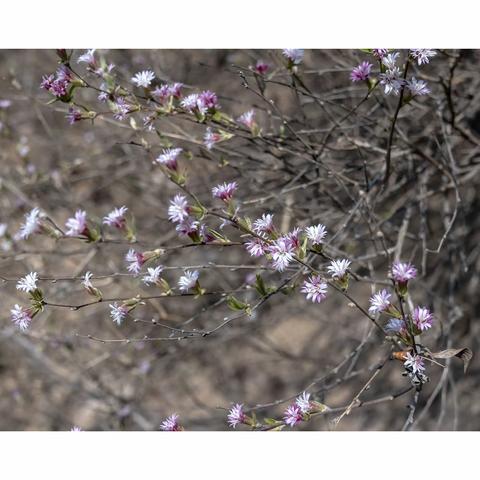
(59, 83)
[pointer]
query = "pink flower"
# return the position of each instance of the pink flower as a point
(423, 318)
(169, 158)
(379, 302)
(21, 317)
(261, 67)
(380, 52)
(236, 415)
(361, 72)
(224, 191)
(293, 415)
(403, 272)
(188, 226)
(256, 247)
(178, 209)
(282, 253)
(211, 138)
(315, 288)
(247, 119)
(77, 225)
(135, 260)
(121, 109)
(170, 424)
(207, 100)
(116, 218)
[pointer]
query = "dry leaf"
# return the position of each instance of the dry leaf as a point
(464, 353)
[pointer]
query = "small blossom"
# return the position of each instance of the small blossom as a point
(77, 225)
(143, 79)
(118, 312)
(379, 302)
(135, 260)
(116, 218)
(29, 283)
(293, 238)
(315, 288)
(414, 363)
(32, 223)
(161, 93)
(178, 209)
(175, 89)
(303, 402)
(224, 191)
(417, 87)
(282, 253)
(188, 280)
(361, 72)
(73, 116)
(76, 428)
(170, 424)
(423, 318)
(188, 226)
(395, 325)
(21, 317)
(422, 55)
(86, 282)
(261, 67)
(247, 119)
(293, 415)
(316, 233)
(236, 415)
(121, 109)
(190, 102)
(153, 275)
(338, 268)
(391, 81)
(264, 224)
(256, 247)
(211, 138)
(380, 52)
(403, 272)
(390, 60)
(169, 158)
(207, 100)
(294, 55)
(87, 57)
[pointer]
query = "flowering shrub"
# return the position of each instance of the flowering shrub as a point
(305, 204)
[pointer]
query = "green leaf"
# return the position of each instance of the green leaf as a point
(236, 304)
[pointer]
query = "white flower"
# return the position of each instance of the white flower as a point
(21, 317)
(3, 229)
(118, 312)
(282, 254)
(247, 119)
(188, 280)
(32, 223)
(315, 288)
(143, 79)
(153, 275)
(77, 225)
(415, 363)
(303, 402)
(169, 157)
(28, 283)
(86, 280)
(423, 55)
(170, 424)
(192, 102)
(379, 301)
(178, 209)
(116, 218)
(295, 55)
(264, 224)
(316, 233)
(391, 81)
(87, 57)
(390, 60)
(417, 87)
(338, 268)
(135, 260)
